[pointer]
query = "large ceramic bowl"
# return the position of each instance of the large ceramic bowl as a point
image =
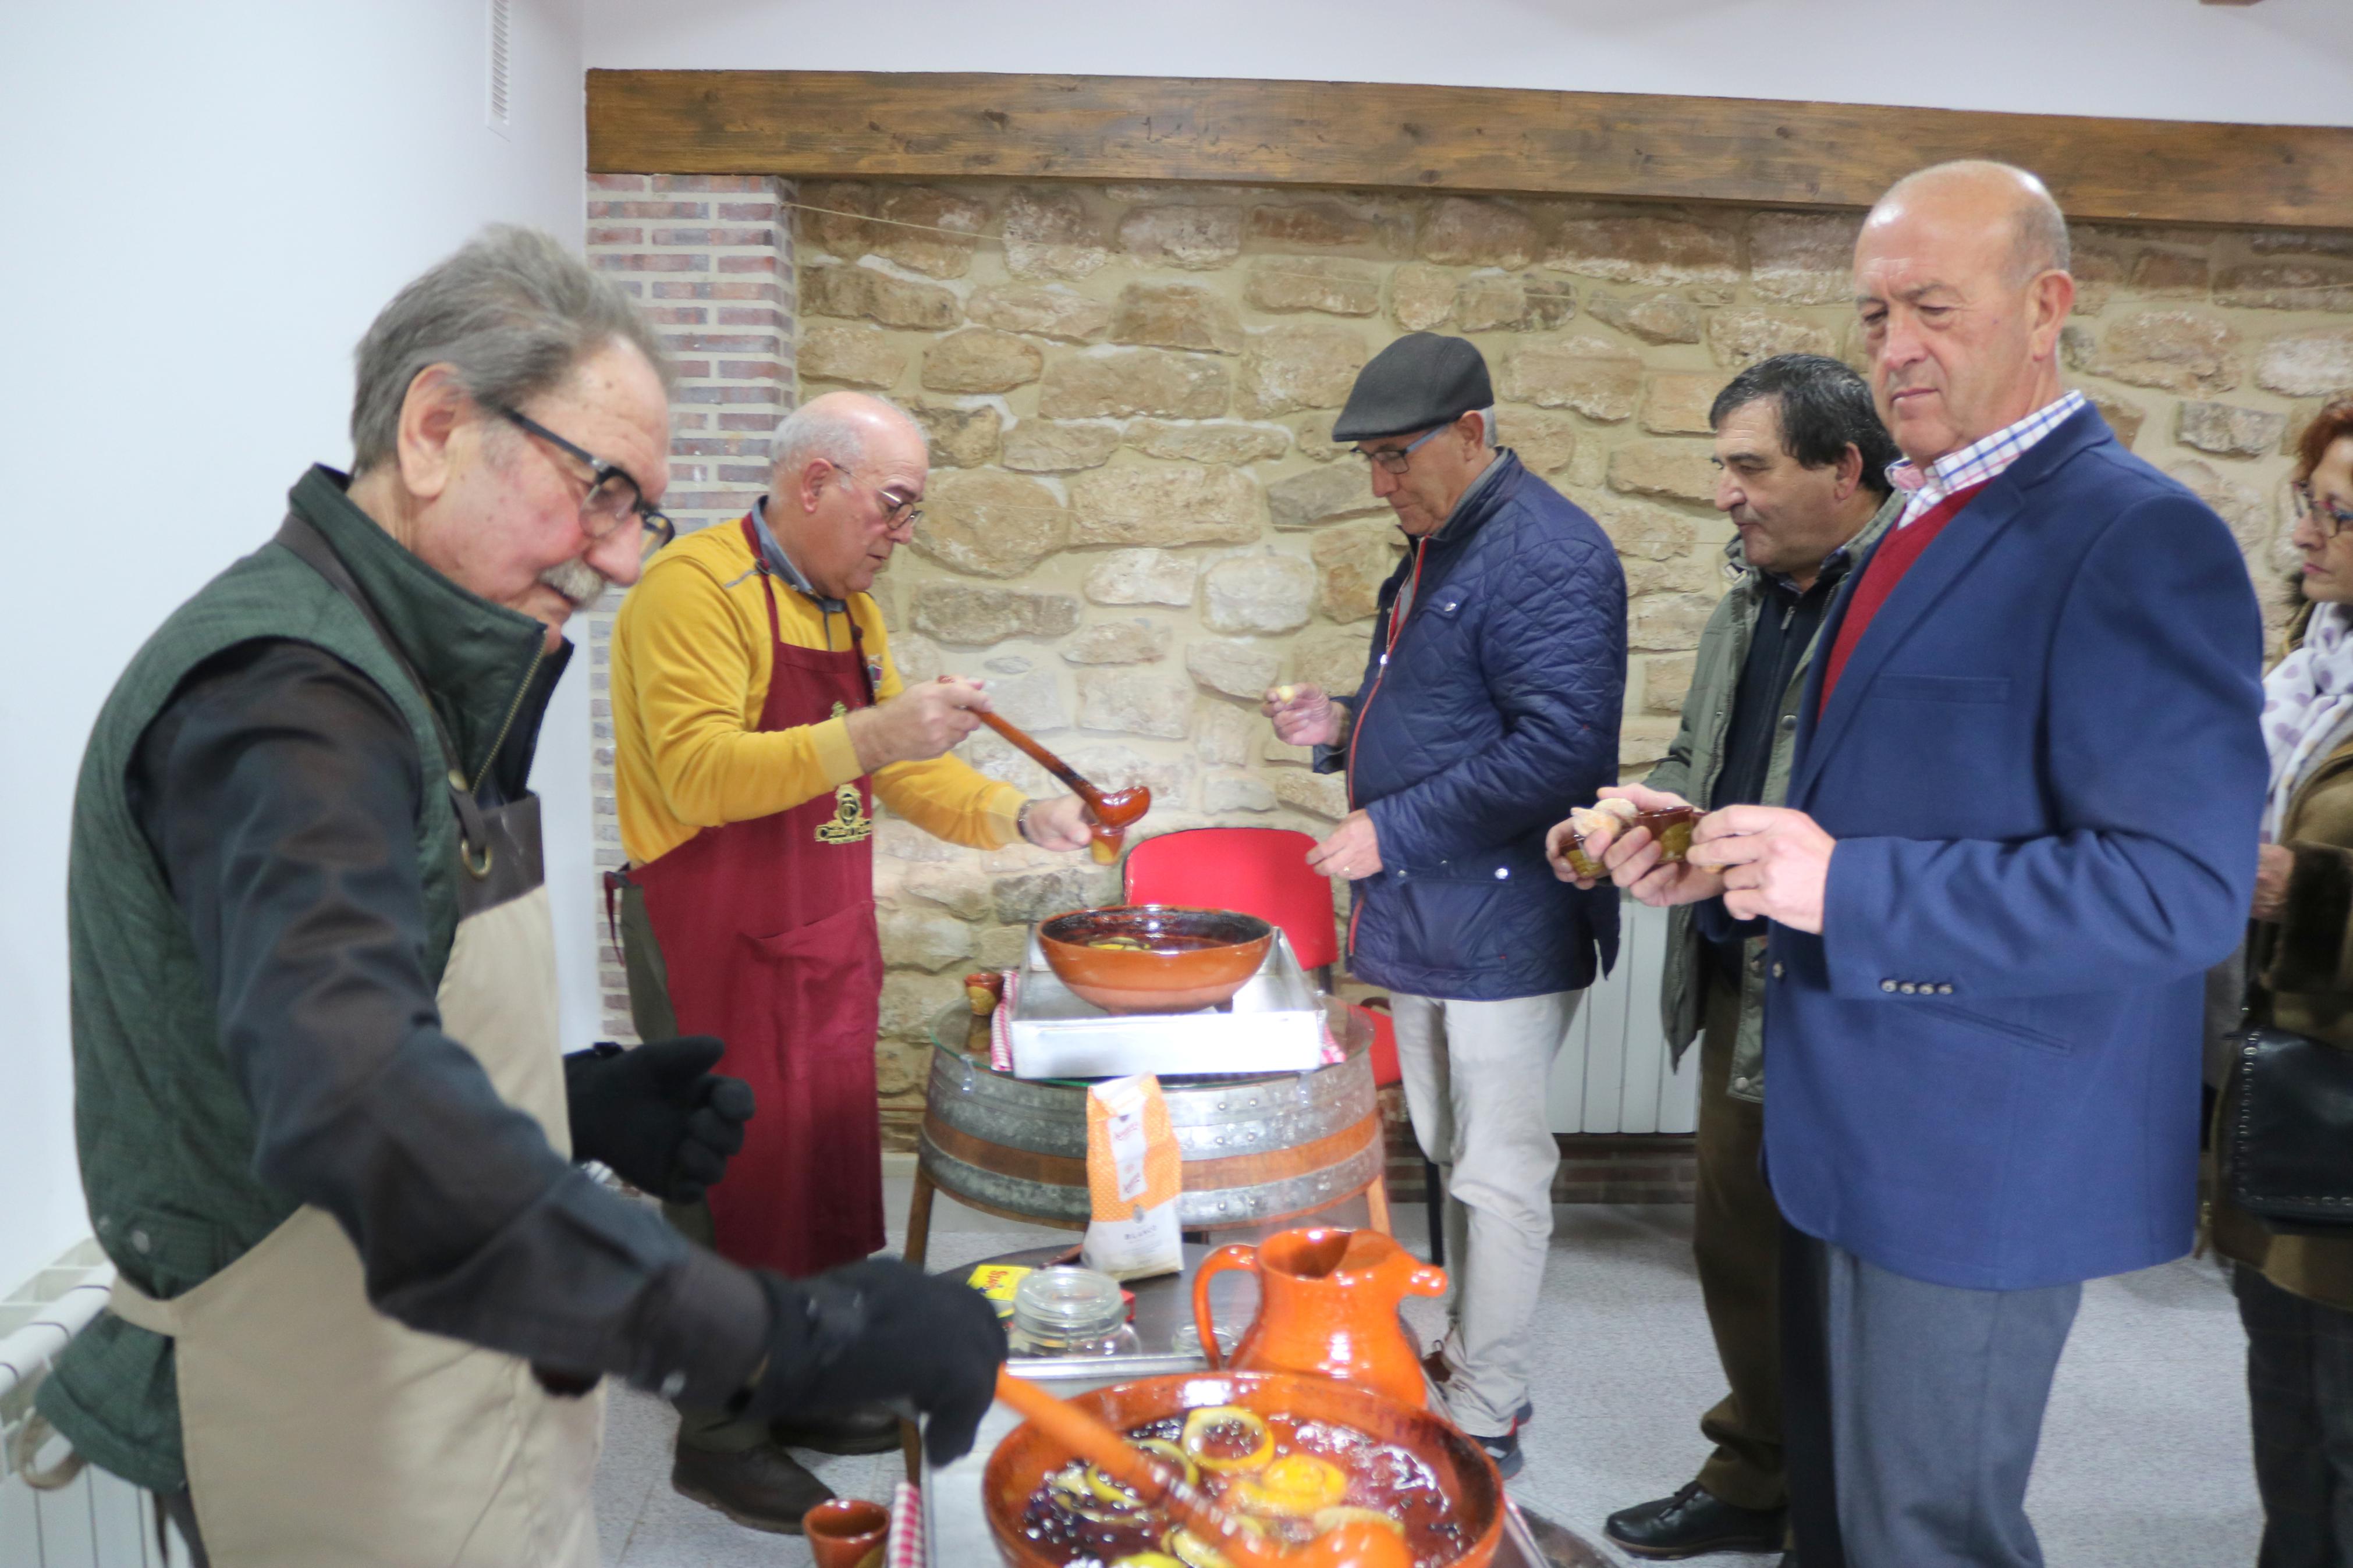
(1164, 958)
(1463, 1472)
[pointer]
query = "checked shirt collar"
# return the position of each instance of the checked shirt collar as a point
(1977, 462)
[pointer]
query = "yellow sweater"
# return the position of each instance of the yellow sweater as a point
(690, 669)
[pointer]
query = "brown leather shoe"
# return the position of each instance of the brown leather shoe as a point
(858, 1429)
(760, 1488)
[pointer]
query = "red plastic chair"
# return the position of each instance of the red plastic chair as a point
(1260, 871)
(1263, 871)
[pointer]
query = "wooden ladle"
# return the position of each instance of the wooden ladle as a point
(1113, 811)
(1357, 1544)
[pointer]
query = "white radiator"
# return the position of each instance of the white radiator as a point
(99, 1520)
(1613, 1075)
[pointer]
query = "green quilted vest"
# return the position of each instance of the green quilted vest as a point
(167, 1139)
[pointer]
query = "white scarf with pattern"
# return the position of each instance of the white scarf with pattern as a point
(2308, 708)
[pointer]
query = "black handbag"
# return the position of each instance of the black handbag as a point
(2291, 1132)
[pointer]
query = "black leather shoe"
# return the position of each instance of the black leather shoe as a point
(762, 1488)
(1692, 1523)
(855, 1429)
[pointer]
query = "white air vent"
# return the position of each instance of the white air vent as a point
(501, 32)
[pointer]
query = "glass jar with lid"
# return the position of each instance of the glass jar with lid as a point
(1070, 1312)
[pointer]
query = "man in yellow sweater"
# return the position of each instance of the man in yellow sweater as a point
(756, 716)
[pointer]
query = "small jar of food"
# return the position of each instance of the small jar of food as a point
(1070, 1312)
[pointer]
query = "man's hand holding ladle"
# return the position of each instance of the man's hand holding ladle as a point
(922, 722)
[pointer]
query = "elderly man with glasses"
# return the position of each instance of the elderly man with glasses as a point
(1488, 706)
(756, 717)
(364, 1292)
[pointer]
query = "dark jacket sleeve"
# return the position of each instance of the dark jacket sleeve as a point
(1552, 653)
(281, 791)
(2309, 950)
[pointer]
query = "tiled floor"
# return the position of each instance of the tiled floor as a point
(2144, 1460)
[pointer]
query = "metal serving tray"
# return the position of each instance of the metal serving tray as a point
(1274, 1023)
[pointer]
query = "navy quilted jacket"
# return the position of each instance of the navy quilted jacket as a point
(1494, 711)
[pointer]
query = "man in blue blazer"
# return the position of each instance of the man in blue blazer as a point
(2022, 822)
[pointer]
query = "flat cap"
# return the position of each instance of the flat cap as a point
(1420, 381)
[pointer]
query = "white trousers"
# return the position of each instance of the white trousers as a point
(1475, 1074)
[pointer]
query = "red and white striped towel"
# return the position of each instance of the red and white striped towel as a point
(906, 1527)
(1000, 1024)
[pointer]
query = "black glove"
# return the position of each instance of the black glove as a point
(883, 1330)
(657, 1114)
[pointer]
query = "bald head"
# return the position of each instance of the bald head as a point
(848, 471)
(840, 427)
(1961, 282)
(1987, 192)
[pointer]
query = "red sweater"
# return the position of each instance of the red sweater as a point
(1894, 558)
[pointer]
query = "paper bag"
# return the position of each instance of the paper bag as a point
(1135, 1171)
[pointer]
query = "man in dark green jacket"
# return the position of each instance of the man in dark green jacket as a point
(1803, 459)
(363, 1293)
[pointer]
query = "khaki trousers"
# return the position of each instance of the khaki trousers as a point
(1736, 1243)
(1474, 1080)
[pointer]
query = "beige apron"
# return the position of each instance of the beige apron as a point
(320, 1431)
(317, 1430)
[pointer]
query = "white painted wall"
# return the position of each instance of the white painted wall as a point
(2281, 61)
(207, 205)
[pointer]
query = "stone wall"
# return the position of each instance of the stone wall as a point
(1137, 520)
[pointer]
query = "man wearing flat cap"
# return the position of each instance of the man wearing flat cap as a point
(1488, 706)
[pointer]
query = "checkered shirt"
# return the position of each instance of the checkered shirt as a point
(1977, 462)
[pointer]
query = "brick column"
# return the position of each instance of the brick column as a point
(710, 256)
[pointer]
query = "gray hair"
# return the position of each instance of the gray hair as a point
(828, 429)
(514, 313)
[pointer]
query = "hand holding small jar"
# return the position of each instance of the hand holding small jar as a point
(1638, 838)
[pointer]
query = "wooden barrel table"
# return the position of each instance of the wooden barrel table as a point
(1257, 1149)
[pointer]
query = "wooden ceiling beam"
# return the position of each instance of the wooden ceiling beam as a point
(971, 125)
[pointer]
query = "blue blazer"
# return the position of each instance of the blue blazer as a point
(2044, 769)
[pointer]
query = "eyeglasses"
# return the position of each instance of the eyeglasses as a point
(614, 499)
(1396, 459)
(898, 515)
(2332, 519)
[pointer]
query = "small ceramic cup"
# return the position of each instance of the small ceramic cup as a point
(1584, 865)
(843, 1531)
(1672, 829)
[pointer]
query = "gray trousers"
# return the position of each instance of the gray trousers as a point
(1475, 1074)
(1911, 1412)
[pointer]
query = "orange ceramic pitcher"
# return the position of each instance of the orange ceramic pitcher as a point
(1327, 1307)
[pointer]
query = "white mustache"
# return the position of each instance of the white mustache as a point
(576, 581)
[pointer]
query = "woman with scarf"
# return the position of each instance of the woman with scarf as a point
(2295, 1291)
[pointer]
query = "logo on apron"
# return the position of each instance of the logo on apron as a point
(850, 824)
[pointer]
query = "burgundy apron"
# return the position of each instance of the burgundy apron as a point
(767, 928)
